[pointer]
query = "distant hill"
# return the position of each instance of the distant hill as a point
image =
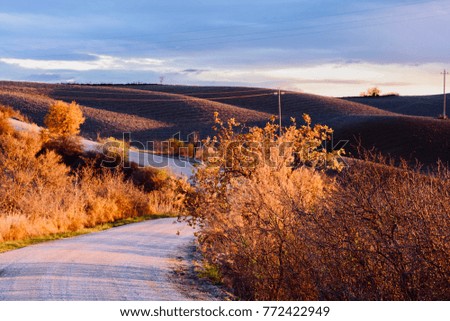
(409, 137)
(156, 112)
(294, 104)
(428, 106)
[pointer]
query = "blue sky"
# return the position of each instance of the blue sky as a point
(327, 47)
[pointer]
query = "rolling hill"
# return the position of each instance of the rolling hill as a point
(156, 112)
(428, 106)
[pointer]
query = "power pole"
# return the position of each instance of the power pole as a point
(444, 115)
(279, 93)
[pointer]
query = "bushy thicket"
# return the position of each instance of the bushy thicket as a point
(284, 220)
(386, 233)
(49, 185)
(251, 199)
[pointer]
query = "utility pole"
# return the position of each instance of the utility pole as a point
(444, 115)
(279, 93)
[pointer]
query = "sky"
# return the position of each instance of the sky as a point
(326, 47)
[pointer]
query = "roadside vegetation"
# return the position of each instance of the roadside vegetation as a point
(50, 186)
(283, 219)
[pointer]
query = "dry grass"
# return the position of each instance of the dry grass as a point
(41, 195)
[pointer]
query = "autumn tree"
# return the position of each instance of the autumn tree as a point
(371, 92)
(64, 119)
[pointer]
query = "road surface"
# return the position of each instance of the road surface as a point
(131, 262)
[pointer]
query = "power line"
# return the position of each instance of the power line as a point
(128, 90)
(147, 92)
(224, 92)
(237, 97)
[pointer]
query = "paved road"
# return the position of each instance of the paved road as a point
(132, 262)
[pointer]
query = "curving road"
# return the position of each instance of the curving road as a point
(131, 262)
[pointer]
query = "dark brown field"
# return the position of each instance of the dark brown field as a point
(428, 106)
(399, 126)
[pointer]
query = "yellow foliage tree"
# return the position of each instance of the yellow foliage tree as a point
(371, 92)
(64, 119)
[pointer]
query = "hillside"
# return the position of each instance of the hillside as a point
(322, 109)
(429, 106)
(33, 100)
(156, 112)
(426, 140)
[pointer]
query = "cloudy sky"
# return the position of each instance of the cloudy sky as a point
(328, 47)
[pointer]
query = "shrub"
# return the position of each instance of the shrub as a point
(115, 150)
(64, 119)
(386, 234)
(291, 229)
(68, 147)
(63, 122)
(174, 147)
(34, 187)
(109, 197)
(391, 94)
(148, 178)
(5, 126)
(250, 199)
(7, 112)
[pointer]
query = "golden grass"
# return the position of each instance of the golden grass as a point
(41, 196)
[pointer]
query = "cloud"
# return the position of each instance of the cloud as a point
(194, 71)
(101, 62)
(331, 81)
(335, 79)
